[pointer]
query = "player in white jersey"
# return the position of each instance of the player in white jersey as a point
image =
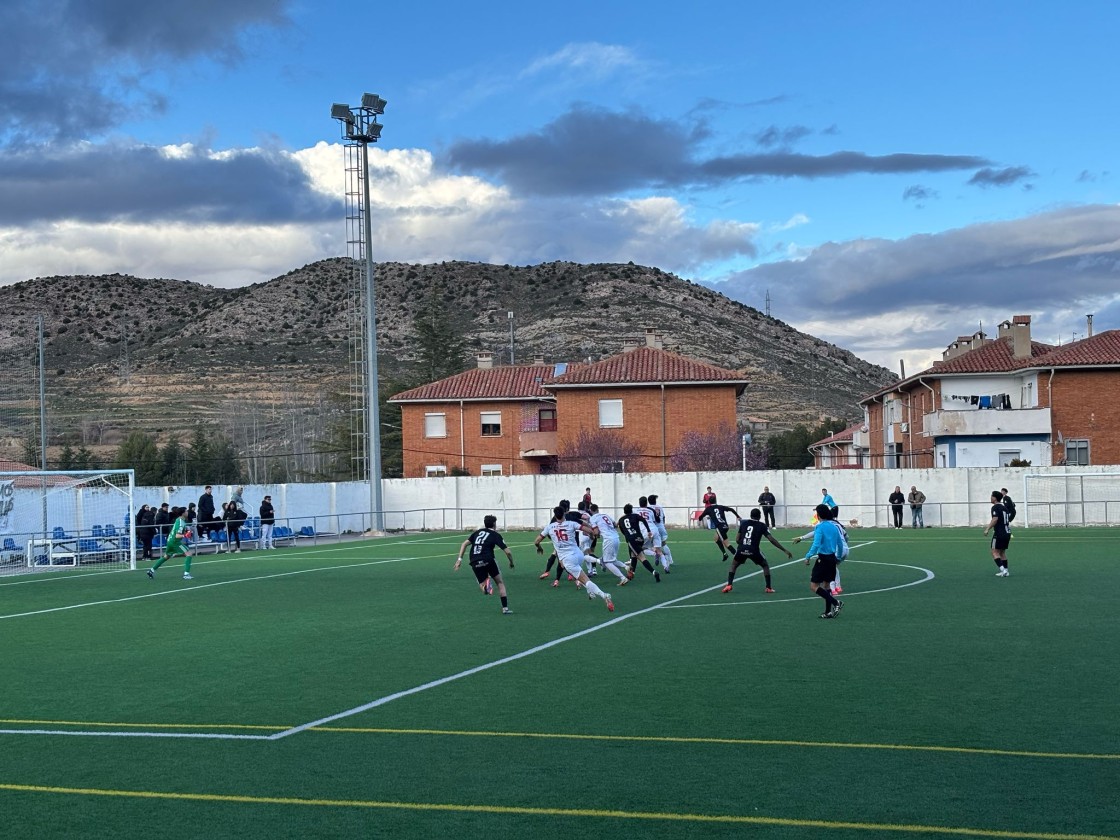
(653, 544)
(565, 541)
(604, 527)
(659, 526)
(587, 541)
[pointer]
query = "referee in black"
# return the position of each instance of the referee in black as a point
(482, 543)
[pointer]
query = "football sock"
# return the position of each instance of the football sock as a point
(645, 563)
(187, 563)
(159, 562)
(505, 601)
(592, 589)
(767, 580)
(822, 590)
(550, 563)
(730, 578)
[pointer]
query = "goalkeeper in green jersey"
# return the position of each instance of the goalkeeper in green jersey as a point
(175, 545)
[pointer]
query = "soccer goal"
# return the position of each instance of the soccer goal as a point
(1072, 499)
(66, 519)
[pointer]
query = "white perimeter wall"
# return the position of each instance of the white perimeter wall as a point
(954, 497)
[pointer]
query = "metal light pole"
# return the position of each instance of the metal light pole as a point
(509, 315)
(360, 125)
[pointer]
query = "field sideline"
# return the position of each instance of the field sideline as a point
(364, 689)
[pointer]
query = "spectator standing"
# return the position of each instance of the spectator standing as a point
(206, 512)
(766, 502)
(163, 520)
(233, 519)
(587, 498)
(238, 498)
(145, 531)
(268, 520)
(897, 500)
(708, 500)
(916, 498)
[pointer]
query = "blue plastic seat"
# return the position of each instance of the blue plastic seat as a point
(110, 530)
(9, 544)
(88, 546)
(59, 533)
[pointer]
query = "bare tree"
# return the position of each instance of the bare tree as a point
(718, 449)
(599, 450)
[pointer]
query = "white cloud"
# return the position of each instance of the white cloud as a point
(593, 59)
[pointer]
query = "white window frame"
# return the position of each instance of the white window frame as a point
(612, 467)
(490, 469)
(435, 470)
(610, 414)
(1006, 456)
(433, 421)
(1074, 446)
(487, 419)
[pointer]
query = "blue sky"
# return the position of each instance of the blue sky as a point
(892, 174)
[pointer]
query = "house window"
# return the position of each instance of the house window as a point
(436, 470)
(546, 420)
(1006, 456)
(491, 423)
(491, 469)
(893, 411)
(612, 466)
(435, 425)
(1077, 453)
(610, 414)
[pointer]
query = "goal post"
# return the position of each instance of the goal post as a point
(1071, 499)
(66, 519)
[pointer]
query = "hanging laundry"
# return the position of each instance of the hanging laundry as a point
(986, 401)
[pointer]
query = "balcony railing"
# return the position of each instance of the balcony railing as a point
(971, 422)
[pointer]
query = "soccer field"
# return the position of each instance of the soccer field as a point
(365, 690)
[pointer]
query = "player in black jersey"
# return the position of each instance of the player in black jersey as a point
(751, 532)
(717, 514)
(482, 543)
(1000, 526)
(635, 530)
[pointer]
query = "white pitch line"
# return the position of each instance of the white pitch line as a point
(88, 734)
(198, 588)
(389, 698)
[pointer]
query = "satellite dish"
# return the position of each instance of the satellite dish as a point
(864, 428)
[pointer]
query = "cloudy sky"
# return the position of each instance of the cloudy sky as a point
(891, 174)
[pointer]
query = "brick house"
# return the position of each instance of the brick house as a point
(517, 419)
(839, 451)
(991, 401)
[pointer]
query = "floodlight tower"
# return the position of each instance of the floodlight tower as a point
(360, 128)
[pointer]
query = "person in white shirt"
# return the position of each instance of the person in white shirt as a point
(604, 527)
(653, 544)
(659, 526)
(565, 541)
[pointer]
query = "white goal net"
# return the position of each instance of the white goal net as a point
(1071, 499)
(66, 519)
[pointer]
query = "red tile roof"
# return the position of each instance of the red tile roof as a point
(845, 436)
(645, 366)
(510, 382)
(1100, 350)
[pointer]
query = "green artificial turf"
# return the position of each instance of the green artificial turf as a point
(942, 701)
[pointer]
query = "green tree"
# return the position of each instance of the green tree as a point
(440, 346)
(790, 450)
(225, 466)
(66, 458)
(140, 454)
(173, 458)
(198, 457)
(83, 459)
(30, 450)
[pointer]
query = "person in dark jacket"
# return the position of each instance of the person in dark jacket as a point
(163, 520)
(268, 520)
(206, 522)
(233, 518)
(766, 501)
(897, 500)
(145, 531)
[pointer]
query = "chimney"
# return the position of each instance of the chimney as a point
(1088, 326)
(978, 340)
(1021, 337)
(538, 360)
(961, 345)
(653, 339)
(629, 344)
(485, 360)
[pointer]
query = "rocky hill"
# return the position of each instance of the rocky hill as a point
(161, 354)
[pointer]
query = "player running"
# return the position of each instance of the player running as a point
(565, 541)
(604, 527)
(175, 545)
(635, 530)
(717, 515)
(653, 543)
(485, 567)
(751, 532)
(659, 526)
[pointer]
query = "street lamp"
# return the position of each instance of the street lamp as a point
(360, 126)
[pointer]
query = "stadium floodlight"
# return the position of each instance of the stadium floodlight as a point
(360, 127)
(373, 102)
